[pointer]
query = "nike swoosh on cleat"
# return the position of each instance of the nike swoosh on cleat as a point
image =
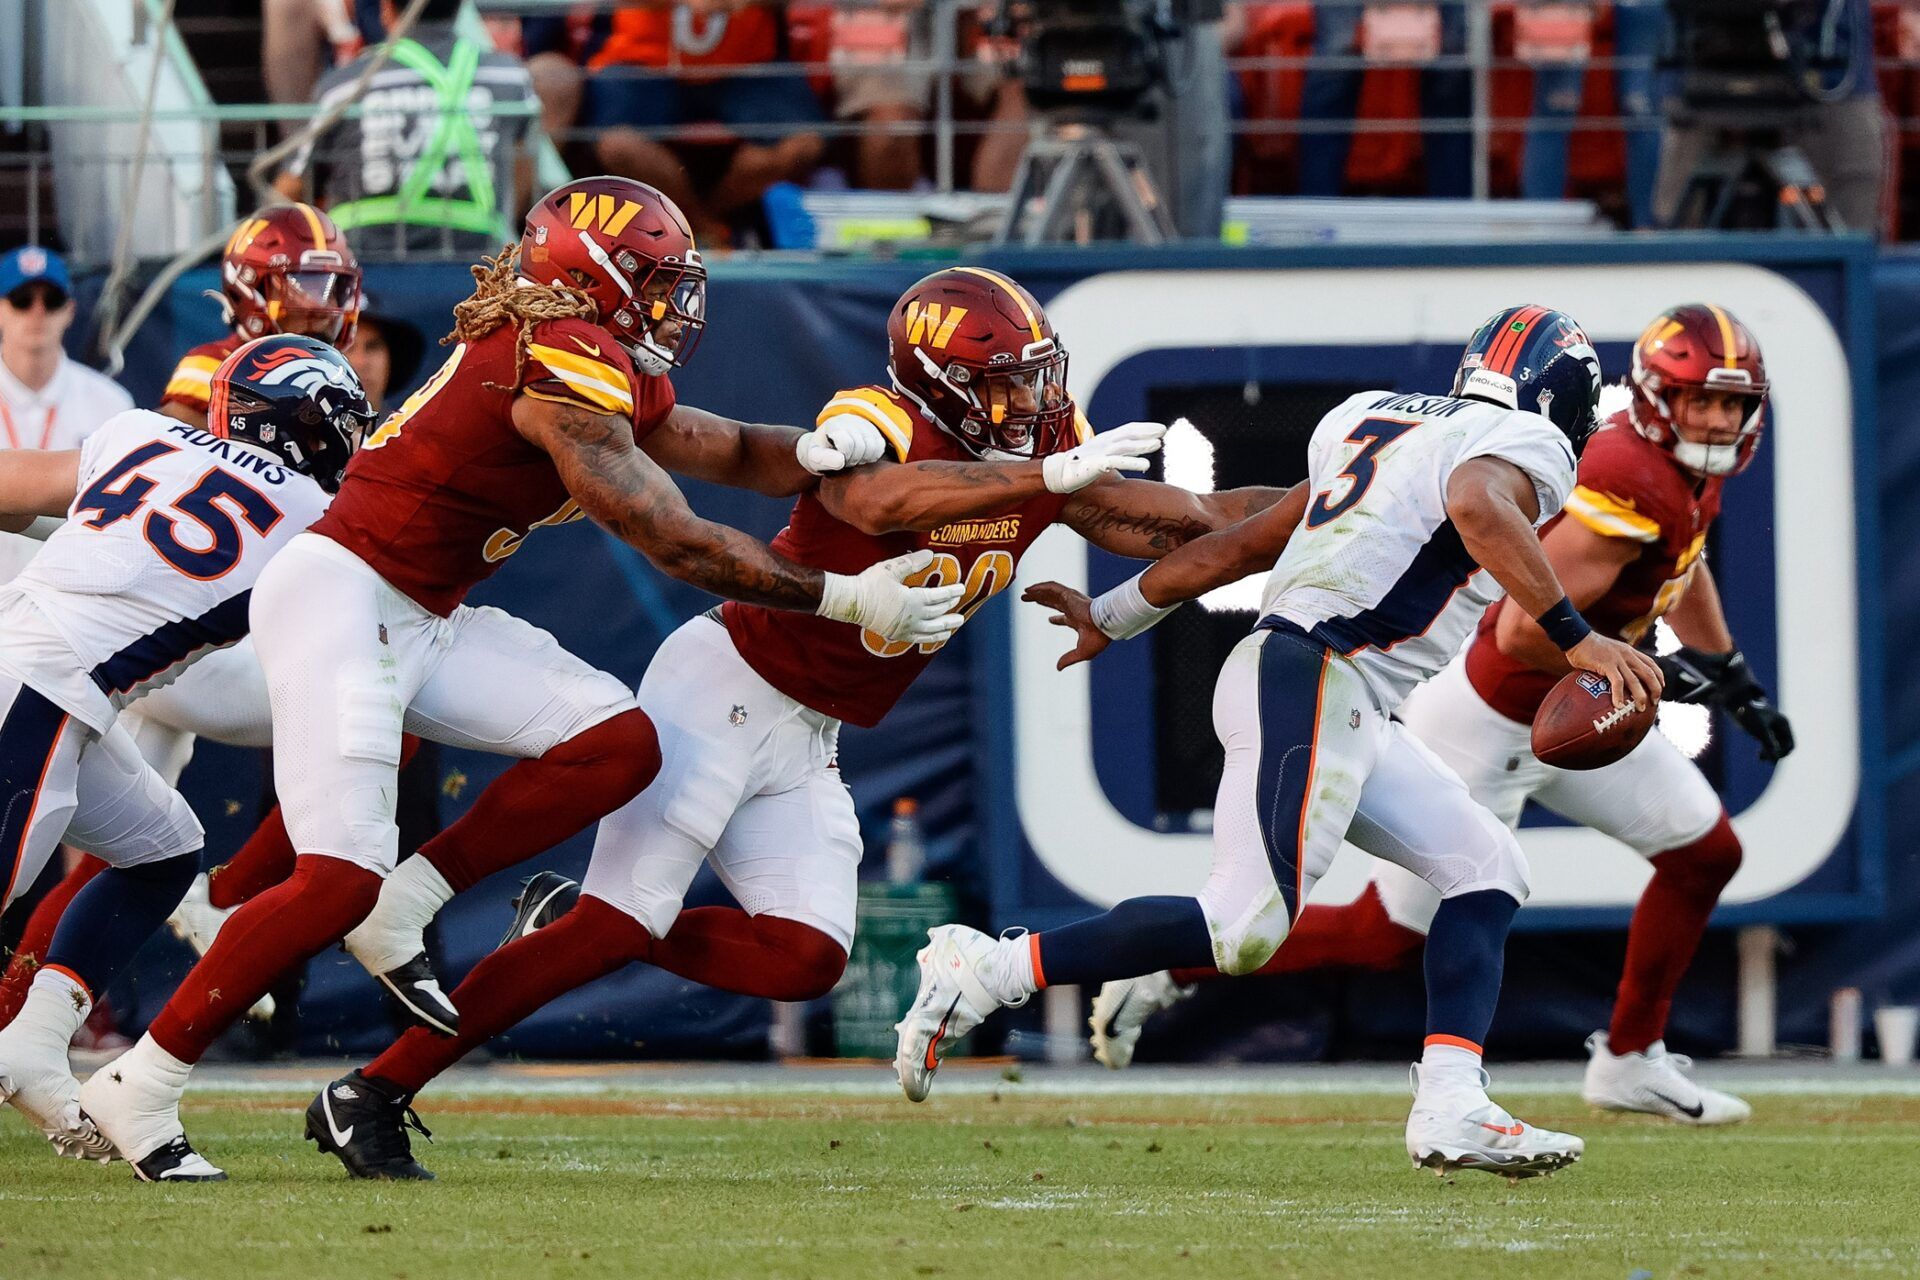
(933, 1063)
(341, 1136)
(1693, 1112)
(1513, 1130)
(1113, 1019)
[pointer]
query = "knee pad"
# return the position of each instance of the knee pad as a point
(811, 962)
(1710, 861)
(1247, 928)
(1498, 863)
(165, 832)
(627, 745)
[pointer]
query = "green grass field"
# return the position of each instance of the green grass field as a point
(791, 1185)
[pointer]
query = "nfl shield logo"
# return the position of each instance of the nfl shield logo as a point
(737, 716)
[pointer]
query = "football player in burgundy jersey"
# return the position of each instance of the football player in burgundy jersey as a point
(749, 701)
(286, 269)
(360, 627)
(1630, 549)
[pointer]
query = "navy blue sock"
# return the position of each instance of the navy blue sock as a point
(114, 915)
(1466, 950)
(1138, 937)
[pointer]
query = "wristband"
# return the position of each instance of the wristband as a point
(1564, 625)
(1124, 612)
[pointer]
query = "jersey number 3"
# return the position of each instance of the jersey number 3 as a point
(212, 503)
(1372, 435)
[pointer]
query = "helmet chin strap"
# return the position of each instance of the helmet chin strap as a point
(1707, 459)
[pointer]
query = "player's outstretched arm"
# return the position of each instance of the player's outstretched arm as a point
(626, 493)
(36, 482)
(917, 496)
(740, 455)
(1707, 668)
(1185, 573)
(1144, 519)
(1587, 564)
(1492, 504)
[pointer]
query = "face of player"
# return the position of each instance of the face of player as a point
(314, 304)
(34, 317)
(1706, 416)
(372, 359)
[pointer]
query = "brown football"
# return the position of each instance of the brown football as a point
(1578, 727)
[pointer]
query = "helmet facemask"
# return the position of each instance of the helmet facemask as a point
(1655, 404)
(314, 303)
(663, 310)
(1007, 410)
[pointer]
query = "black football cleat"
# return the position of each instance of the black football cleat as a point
(365, 1123)
(415, 987)
(543, 898)
(176, 1162)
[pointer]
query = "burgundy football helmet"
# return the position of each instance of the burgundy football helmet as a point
(287, 269)
(1698, 347)
(630, 249)
(978, 355)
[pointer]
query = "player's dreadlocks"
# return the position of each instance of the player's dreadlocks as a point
(501, 297)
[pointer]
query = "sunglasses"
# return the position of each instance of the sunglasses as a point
(50, 296)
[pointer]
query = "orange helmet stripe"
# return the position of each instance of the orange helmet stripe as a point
(1506, 348)
(1012, 291)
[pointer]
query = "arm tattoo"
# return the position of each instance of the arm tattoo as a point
(628, 494)
(1162, 533)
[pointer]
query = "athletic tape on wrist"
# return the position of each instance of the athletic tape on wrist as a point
(1124, 612)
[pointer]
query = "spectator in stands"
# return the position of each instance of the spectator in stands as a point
(870, 48)
(1559, 85)
(300, 39)
(386, 352)
(661, 67)
(439, 161)
(1844, 133)
(47, 399)
(1392, 32)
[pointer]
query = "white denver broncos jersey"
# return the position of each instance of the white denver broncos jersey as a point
(154, 566)
(1376, 570)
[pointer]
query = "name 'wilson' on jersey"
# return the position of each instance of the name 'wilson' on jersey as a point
(1376, 570)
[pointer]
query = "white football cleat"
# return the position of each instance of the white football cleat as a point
(135, 1102)
(952, 1000)
(36, 1078)
(391, 944)
(1655, 1082)
(1122, 1009)
(1462, 1128)
(197, 922)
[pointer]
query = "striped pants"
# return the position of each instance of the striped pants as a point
(1312, 760)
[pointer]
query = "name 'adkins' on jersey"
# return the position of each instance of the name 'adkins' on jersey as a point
(154, 566)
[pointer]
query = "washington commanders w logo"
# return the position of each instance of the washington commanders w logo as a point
(603, 212)
(933, 322)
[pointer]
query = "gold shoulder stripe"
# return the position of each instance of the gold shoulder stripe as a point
(202, 365)
(188, 389)
(596, 381)
(876, 407)
(1609, 517)
(1081, 427)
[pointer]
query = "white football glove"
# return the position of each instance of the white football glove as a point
(1121, 449)
(878, 599)
(842, 441)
